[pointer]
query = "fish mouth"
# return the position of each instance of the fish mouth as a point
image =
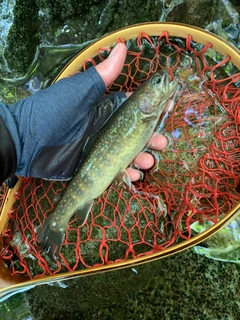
(168, 85)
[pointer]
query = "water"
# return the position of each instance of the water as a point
(16, 308)
(47, 62)
(6, 21)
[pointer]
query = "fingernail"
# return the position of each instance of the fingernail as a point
(114, 50)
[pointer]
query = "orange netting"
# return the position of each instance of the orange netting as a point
(197, 176)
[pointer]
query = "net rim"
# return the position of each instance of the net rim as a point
(152, 29)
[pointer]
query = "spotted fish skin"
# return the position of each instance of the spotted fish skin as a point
(116, 145)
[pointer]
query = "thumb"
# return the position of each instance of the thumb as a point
(110, 68)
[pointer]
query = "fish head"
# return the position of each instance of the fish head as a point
(155, 93)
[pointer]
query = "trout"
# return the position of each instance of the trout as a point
(115, 147)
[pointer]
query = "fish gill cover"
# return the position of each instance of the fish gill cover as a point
(196, 179)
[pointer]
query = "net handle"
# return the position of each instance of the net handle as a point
(152, 29)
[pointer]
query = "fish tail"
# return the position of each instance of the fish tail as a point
(50, 239)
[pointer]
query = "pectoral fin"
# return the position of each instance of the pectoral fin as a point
(123, 180)
(82, 214)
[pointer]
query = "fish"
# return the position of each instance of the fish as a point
(116, 145)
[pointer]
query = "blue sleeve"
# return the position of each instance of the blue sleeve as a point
(52, 116)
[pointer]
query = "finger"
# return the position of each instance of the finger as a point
(134, 174)
(158, 141)
(110, 68)
(144, 161)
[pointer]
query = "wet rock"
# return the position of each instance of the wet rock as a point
(42, 22)
(23, 36)
(197, 13)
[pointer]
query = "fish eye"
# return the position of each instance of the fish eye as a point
(156, 80)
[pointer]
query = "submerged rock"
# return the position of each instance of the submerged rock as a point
(171, 289)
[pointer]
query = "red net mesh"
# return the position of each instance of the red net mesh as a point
(196, 178)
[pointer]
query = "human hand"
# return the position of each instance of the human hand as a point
(109, 69)
(56, 122)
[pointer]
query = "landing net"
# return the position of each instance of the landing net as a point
(197, 177)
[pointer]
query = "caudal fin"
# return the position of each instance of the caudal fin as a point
(51, 236)
(50, 239)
